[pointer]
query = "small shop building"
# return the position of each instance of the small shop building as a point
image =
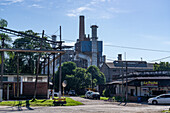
(140, 86)
(26, 86)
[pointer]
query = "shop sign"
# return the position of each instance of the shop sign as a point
(149, 83)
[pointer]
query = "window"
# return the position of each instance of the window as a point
(167, 96)
(163, 96)
(15, 79)
(114, 70)
(30, 79)
(5, 78)
(39, 79)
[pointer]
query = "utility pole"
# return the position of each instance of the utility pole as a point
(44, 65)
(54, 38)
(53, 75)
(60, 67)
(17, 75)
(37, 71)
(2, 70)
(126, 79)
(48, 72)
(92, 80)
(122, 72)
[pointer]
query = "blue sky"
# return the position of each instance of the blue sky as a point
(131, 23)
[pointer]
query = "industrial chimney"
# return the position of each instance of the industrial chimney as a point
(81, 29)
(94, 44)
(54, 38)
(120, 57)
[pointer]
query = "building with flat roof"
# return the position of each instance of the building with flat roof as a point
(26, 86)
(140, 84)
(113, 70)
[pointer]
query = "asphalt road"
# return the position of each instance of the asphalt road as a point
(91, 106)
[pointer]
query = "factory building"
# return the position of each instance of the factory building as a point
(113, 70)
(88, 49)
(86, 52)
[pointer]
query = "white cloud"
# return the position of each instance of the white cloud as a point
(78, 11)
(71, 14)
(36, 6)
(95, 9)
(69, 43)
(86, 7)
(9, 2)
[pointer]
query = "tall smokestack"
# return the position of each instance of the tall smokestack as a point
(81, 29)
(94, 44)
(119, 56)
(54, 38)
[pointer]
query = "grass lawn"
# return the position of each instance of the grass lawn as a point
(42, 102)
(104, 98)
(166, 111)
(101, 98)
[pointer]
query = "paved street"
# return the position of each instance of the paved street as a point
(91, 106)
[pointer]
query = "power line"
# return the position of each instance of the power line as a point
(154, 50)
(56, 31)
(144, 49)
(160, 59)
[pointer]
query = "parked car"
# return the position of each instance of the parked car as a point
(92, 95)
(88, 93)
(72, 93)
(160, 99)
(95, 95)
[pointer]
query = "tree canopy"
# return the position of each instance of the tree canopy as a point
(79, 78)
(162, 66)
(7, 40)
(3, 23)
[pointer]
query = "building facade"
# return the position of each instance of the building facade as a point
(26, 86)
(113, 70)
(141, 84)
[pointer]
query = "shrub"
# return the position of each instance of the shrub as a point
(106, 92)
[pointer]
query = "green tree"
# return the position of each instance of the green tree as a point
(3, 23)
(27, 61)
(97, 76)
(162, 66)
(67, 69)
(79, 81)
(7, 40)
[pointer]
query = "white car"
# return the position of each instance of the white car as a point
(161, 99)
(88, 94)
(93, 95)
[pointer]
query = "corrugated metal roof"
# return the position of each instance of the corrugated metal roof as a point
(111, 65)
(139, 78)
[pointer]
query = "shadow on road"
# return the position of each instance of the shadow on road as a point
(28, 105)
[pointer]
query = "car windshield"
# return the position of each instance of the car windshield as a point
(95, 92)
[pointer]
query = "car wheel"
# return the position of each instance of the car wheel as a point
(154, 102)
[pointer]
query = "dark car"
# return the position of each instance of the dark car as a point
(72, 93)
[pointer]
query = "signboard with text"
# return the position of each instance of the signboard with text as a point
(149, 83)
